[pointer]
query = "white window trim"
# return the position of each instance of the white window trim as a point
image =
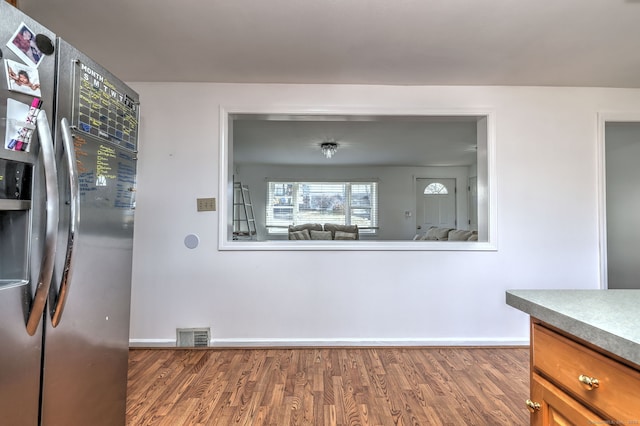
(226, 185)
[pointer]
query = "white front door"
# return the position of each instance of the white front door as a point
(435, 203)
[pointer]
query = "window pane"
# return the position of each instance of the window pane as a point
(280, 205)
(322, 202)
(436, 188)
(344, 203)
(362, 201)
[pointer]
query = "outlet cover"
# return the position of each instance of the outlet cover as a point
(206, 204)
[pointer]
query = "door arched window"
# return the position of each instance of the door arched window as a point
(436, 188)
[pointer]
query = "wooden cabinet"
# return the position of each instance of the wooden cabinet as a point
(574, 383)
(551, 406)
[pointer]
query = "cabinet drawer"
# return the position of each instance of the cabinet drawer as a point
(563, 361)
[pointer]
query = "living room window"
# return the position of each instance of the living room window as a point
(343, 203)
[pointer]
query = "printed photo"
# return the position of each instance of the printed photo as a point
(22, 78)
(23, 44)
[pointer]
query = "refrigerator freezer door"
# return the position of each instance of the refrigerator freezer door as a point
(19, 359)
(21, 221)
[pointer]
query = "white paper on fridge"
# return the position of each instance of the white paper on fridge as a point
(21, 123)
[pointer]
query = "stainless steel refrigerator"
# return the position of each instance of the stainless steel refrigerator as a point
(67, 200)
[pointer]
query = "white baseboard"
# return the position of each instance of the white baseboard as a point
(275, 343)
(152, 343)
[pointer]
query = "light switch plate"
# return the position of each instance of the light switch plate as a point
(206, 204)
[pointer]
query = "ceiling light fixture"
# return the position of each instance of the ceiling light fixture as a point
(329, 149)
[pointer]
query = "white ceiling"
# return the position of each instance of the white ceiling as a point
(388, 141)
(404, 42)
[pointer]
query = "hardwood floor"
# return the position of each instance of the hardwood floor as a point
(328, 386)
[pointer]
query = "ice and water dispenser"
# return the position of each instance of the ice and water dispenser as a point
(15, 208)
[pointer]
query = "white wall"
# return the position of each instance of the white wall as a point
(396, 191)
(547, 226)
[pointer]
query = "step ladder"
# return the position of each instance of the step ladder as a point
(244, 221)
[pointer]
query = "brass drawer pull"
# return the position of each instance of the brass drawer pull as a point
(532, 406)
(589, 383)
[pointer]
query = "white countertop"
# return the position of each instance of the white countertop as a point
(609, 319)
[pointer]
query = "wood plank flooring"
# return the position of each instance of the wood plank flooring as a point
(328, 386)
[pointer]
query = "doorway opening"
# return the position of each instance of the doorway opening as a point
(620, 201)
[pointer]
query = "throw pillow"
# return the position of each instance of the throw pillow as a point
(300, 235)
(459, 235)
(333, 227)
(435, 233)
(345, 235)
(320, 235)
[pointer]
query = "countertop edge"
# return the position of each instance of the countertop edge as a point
(609, 342)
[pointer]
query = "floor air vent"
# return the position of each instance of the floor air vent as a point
(193, 337)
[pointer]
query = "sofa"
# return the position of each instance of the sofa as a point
(328, 231)
(435, 233)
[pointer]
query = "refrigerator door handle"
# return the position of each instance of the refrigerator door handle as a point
(74, 207)
(51, 227)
